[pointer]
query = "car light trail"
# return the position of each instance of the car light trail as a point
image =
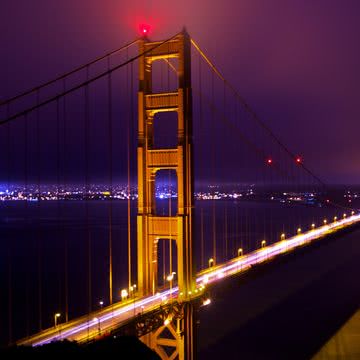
(116, 314)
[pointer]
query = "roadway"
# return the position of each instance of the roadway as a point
(103, 321)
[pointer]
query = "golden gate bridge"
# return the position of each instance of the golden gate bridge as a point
(201, 152)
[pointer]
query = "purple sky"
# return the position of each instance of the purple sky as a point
(296, 62)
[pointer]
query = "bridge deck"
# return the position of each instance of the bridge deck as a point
(113, 316)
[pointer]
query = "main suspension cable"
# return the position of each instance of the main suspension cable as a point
(253, 113)
(81, 85)
(61, 77)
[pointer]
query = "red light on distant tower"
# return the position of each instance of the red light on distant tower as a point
(144, 29)
(298, 160)
(269, 161)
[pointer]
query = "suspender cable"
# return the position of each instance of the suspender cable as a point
(130, 118)
(201, 147)
(225, 210)
(8, 152)
(164, 255)
(87, 190)
(202, 236)
(237, 235)
(169, 188)
(9, 285)
(39, 241)
(213, 172)
(26, 217)
(66, 277)
(58, 210)
(26, 131)
(10, 308)
(170, 230)
(111, 187)
(226, 230)
(162, 77)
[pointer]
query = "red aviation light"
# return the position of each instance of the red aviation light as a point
(298, 160)
(144, 29)
(269, 161)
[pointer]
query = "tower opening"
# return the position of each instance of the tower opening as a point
(165, 75)
(167, 263)
(165, 130)
(166, 198)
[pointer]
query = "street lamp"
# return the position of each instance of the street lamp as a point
(335, 218)
(325, 221)
(299, 230)
(56, 316)
(101, 303)
(240, 252)
(263, 243)
(282, 237)
(313, 226)
(344, 215)
(124, 294)
(95, 319)
(211, 262)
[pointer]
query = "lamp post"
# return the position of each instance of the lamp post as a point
(132, 290)
(101, 303)
(240, 253)
(124, 294)
(282, 238)
(263, 244)
(56, 316)
(211, 262)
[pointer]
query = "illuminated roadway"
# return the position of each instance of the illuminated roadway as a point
(103, 321)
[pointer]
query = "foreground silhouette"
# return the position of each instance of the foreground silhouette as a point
(124, 347)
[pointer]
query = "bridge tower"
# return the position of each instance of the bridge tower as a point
(150, 226)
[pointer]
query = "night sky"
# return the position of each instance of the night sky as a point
(296, 62)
